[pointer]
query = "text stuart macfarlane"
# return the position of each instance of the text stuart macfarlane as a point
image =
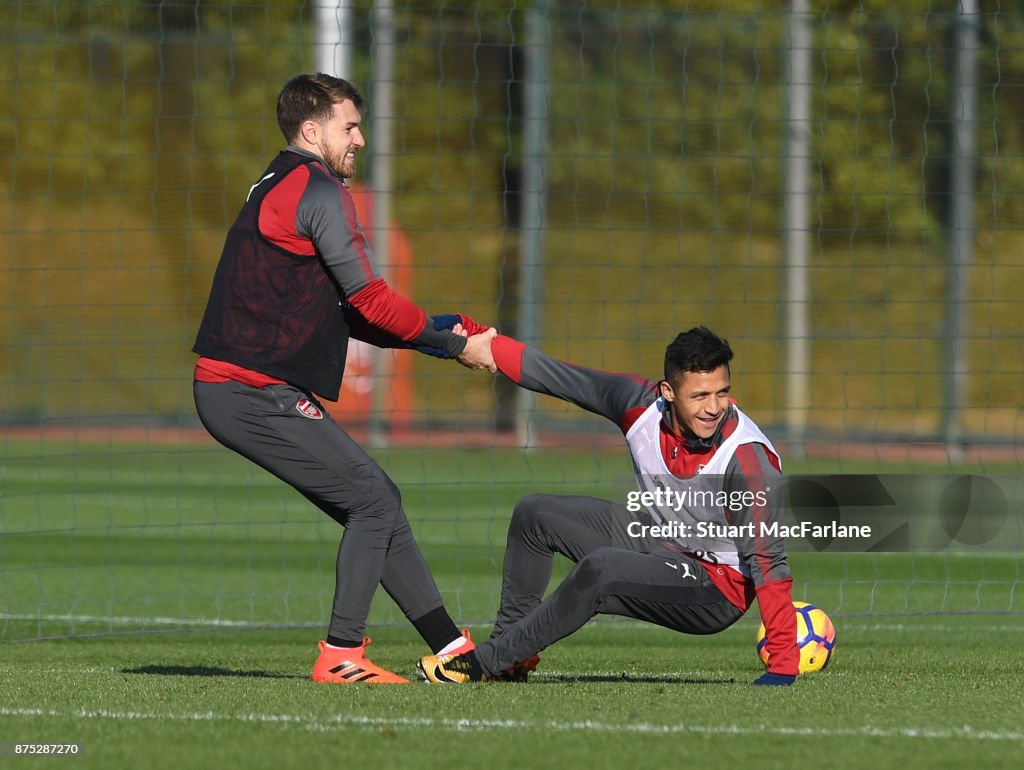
(707, 529)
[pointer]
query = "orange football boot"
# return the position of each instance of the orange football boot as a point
(520, 671)
(345, 665)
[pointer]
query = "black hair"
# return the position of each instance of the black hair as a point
(696, 350)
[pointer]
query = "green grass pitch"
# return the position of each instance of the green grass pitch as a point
(160, 605)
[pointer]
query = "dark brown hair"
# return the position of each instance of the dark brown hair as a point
(312, 97)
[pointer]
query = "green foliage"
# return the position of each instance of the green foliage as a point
(135, 127)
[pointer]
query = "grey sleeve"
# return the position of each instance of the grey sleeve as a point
(605, 393)
(437, 340)
(756, 487)
(327, 215)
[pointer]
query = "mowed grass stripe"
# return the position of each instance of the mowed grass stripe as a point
(850, 626)
(75, 479)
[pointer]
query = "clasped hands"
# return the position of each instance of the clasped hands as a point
(477, 354)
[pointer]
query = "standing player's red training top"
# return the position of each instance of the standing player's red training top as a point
(296, 278)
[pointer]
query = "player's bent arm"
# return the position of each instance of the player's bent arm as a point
(754, 487)
(775, 603)
(326, 214)
(605, 393)
(751, 476)
(363, 330)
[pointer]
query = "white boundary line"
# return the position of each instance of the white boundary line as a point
(318, 724)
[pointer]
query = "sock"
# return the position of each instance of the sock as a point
(334, 641)
(453, 645)
(437, 629)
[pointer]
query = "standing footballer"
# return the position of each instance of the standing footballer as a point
(685, 437)
(296, 279)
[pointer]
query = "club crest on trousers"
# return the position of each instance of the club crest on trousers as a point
(308, 409)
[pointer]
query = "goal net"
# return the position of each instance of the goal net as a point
(835, 189)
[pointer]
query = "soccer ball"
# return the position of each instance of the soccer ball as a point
(815, 636)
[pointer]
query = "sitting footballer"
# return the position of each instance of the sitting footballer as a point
(690, 550)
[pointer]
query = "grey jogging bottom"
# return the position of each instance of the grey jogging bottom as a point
(319, 459)
(615, 574)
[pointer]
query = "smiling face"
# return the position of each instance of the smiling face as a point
(698, 401)
(336, 140)
(341, 139)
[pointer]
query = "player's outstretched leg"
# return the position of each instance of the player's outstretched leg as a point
(451, 669)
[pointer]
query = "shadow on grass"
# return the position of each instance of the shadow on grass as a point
(215, 671)
(207, 671)
(580, 678)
